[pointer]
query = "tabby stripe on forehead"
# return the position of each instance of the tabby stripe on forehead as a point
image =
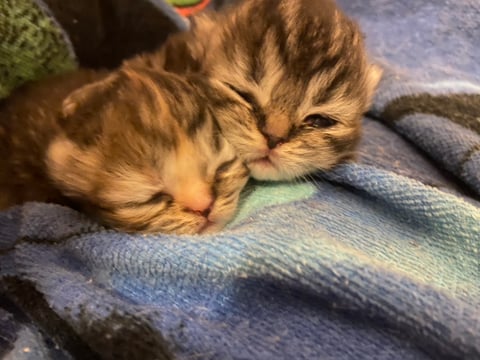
(256, 44)
(295, 33)
(169, 141)
(191, 116)
(256, 63)
(256, 108)
(179, 105)
(257, 69)
(282, 37)
(325, 62)
(337, 79)
(156, 99)
(198, 120)
(308, 65)
(216, 136)
(148, 82)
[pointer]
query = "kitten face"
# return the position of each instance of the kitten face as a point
(299, 71)
(155, 161)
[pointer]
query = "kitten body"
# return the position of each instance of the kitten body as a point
(29, 121)
(299, 71)
(136, 149)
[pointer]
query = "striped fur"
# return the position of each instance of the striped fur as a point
(286, 60)
(137, 149)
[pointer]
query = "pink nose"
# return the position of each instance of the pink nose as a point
(201, 206)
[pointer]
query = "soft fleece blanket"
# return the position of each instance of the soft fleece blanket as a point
(375, 260)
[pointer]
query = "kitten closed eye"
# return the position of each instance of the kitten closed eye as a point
(224, 168)
(319, 121)
(245, 95)
(159, 197)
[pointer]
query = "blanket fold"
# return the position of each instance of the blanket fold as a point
(374, 260)
(431, 90)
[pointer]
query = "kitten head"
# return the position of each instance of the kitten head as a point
(299, 70)
(141, 151)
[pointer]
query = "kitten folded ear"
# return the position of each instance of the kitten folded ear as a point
(80, 113)
(92, 95)
(373, 77)
(71, 168)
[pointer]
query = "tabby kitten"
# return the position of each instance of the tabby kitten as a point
(300, 74)
(137, 149)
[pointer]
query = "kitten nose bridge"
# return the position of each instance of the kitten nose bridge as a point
(186, 180)
(272, 141)
(276, 129)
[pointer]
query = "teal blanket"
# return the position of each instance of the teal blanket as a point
(374, 260)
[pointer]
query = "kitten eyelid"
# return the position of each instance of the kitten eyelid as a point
(320, 121)
(245, 95)
(158, 197)
(224, 167)
(326, 111)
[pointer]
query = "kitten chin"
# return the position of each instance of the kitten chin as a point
(298, 71)
(136, 149)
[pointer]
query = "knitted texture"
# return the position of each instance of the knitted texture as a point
(375, 260)
(32, 45)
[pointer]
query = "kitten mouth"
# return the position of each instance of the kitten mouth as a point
(206, 227)
(266, 168)
(265, 161)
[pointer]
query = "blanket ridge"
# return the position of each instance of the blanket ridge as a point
(379, 259)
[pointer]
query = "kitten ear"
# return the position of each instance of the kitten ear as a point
(80, 114)
(373, 77)
(91, 94)
(71, 168)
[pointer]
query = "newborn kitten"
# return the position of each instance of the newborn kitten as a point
(137, 149)
(299, 71)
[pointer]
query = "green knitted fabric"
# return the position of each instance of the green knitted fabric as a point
(32, 44)
(183, 2)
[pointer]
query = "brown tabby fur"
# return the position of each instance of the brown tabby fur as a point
(300, 73)
(137, 149)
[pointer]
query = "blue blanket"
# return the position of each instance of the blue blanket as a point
(375, 260)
